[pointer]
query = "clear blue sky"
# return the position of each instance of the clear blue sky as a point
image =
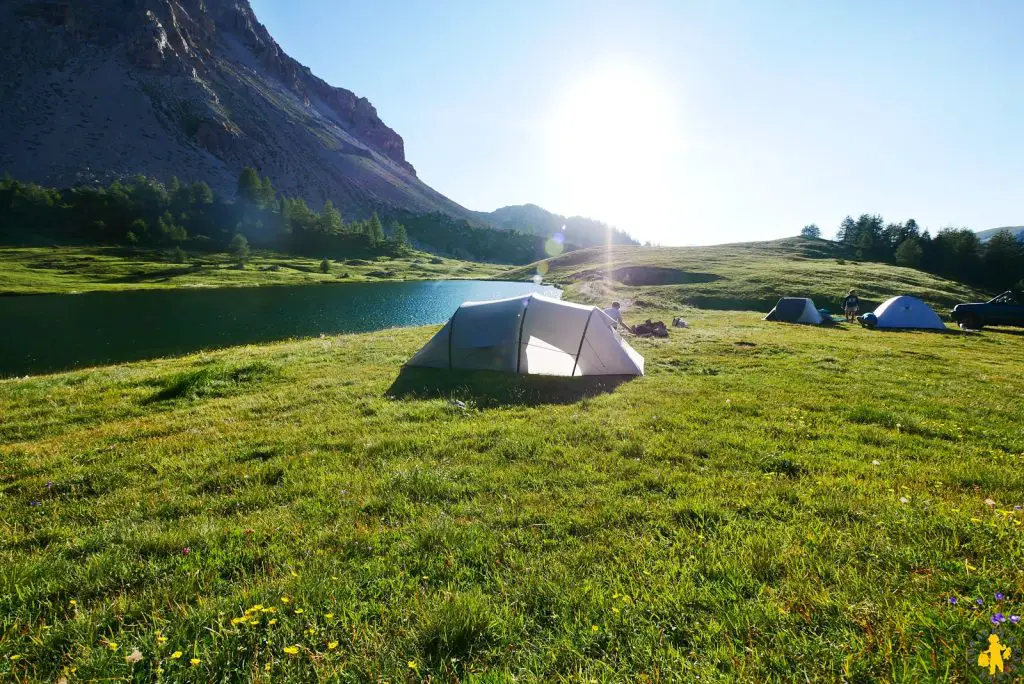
(692, 122)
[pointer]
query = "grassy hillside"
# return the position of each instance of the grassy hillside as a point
(769, 502)
(749, 276)
(40, 270)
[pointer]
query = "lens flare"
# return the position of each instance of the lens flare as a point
(553, 247)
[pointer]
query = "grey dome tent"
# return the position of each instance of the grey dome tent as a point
(532, 335)
(795, 310)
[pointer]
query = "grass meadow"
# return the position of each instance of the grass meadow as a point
(744, 276)
(49, 270)
(770, 503)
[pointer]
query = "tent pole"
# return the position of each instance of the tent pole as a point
(451, 327)
(519, 345)
(579, 350)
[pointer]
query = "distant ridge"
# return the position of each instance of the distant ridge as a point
(984, 235)
(535, 220)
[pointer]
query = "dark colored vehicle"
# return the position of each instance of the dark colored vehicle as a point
(1006, 309)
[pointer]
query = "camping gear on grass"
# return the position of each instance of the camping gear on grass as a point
(795, 310)
(649, 329)
(903, 312)
(532, 335)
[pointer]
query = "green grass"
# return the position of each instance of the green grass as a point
(744, 276)
(44, 270)
(771, 502)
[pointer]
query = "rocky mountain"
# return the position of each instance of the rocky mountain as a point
(92, 90)
(984, 235)
(534, 220)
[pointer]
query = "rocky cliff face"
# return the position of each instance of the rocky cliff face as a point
(99, 89)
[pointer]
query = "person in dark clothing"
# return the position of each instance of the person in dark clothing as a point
(851, 305)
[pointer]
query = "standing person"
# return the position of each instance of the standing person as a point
(614, 313)
(851, 305)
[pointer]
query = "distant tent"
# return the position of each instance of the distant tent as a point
(530, 335)
(795, 310)
(906, 312)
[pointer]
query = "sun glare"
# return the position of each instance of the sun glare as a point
(612, 143)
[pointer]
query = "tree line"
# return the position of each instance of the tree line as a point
(144, 212)
(956, 253)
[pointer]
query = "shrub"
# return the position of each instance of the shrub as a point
(239, 248)
(325, 266)
(178, 255)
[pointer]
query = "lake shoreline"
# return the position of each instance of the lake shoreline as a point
(52, 333)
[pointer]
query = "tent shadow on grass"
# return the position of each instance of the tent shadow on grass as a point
(488, 389)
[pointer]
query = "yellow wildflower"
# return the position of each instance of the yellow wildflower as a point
(175, 655)
(239, 620)
(329, 616)
(285, 599)
(299, 611)
(291, 650)
(412, 665)
(266, 668)
(195, 661)
(273, 622)
(112, 645)
(161, 640)
(593, 628)
(271, 609)
(331, 645)
(15, 657)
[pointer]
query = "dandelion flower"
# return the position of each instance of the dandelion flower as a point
(299, 611)
(15, 657)
(291, 650)
(268, 610)
(175, 655)
(331, 645)
(329, 616)
(593, 628)
(412, 665)
(285, 599)
(112, 645)
(72, 603)
(195, 661)
(266, 668)
(273, 622)
(161, 640)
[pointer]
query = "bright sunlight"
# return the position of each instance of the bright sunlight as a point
(613, 143)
